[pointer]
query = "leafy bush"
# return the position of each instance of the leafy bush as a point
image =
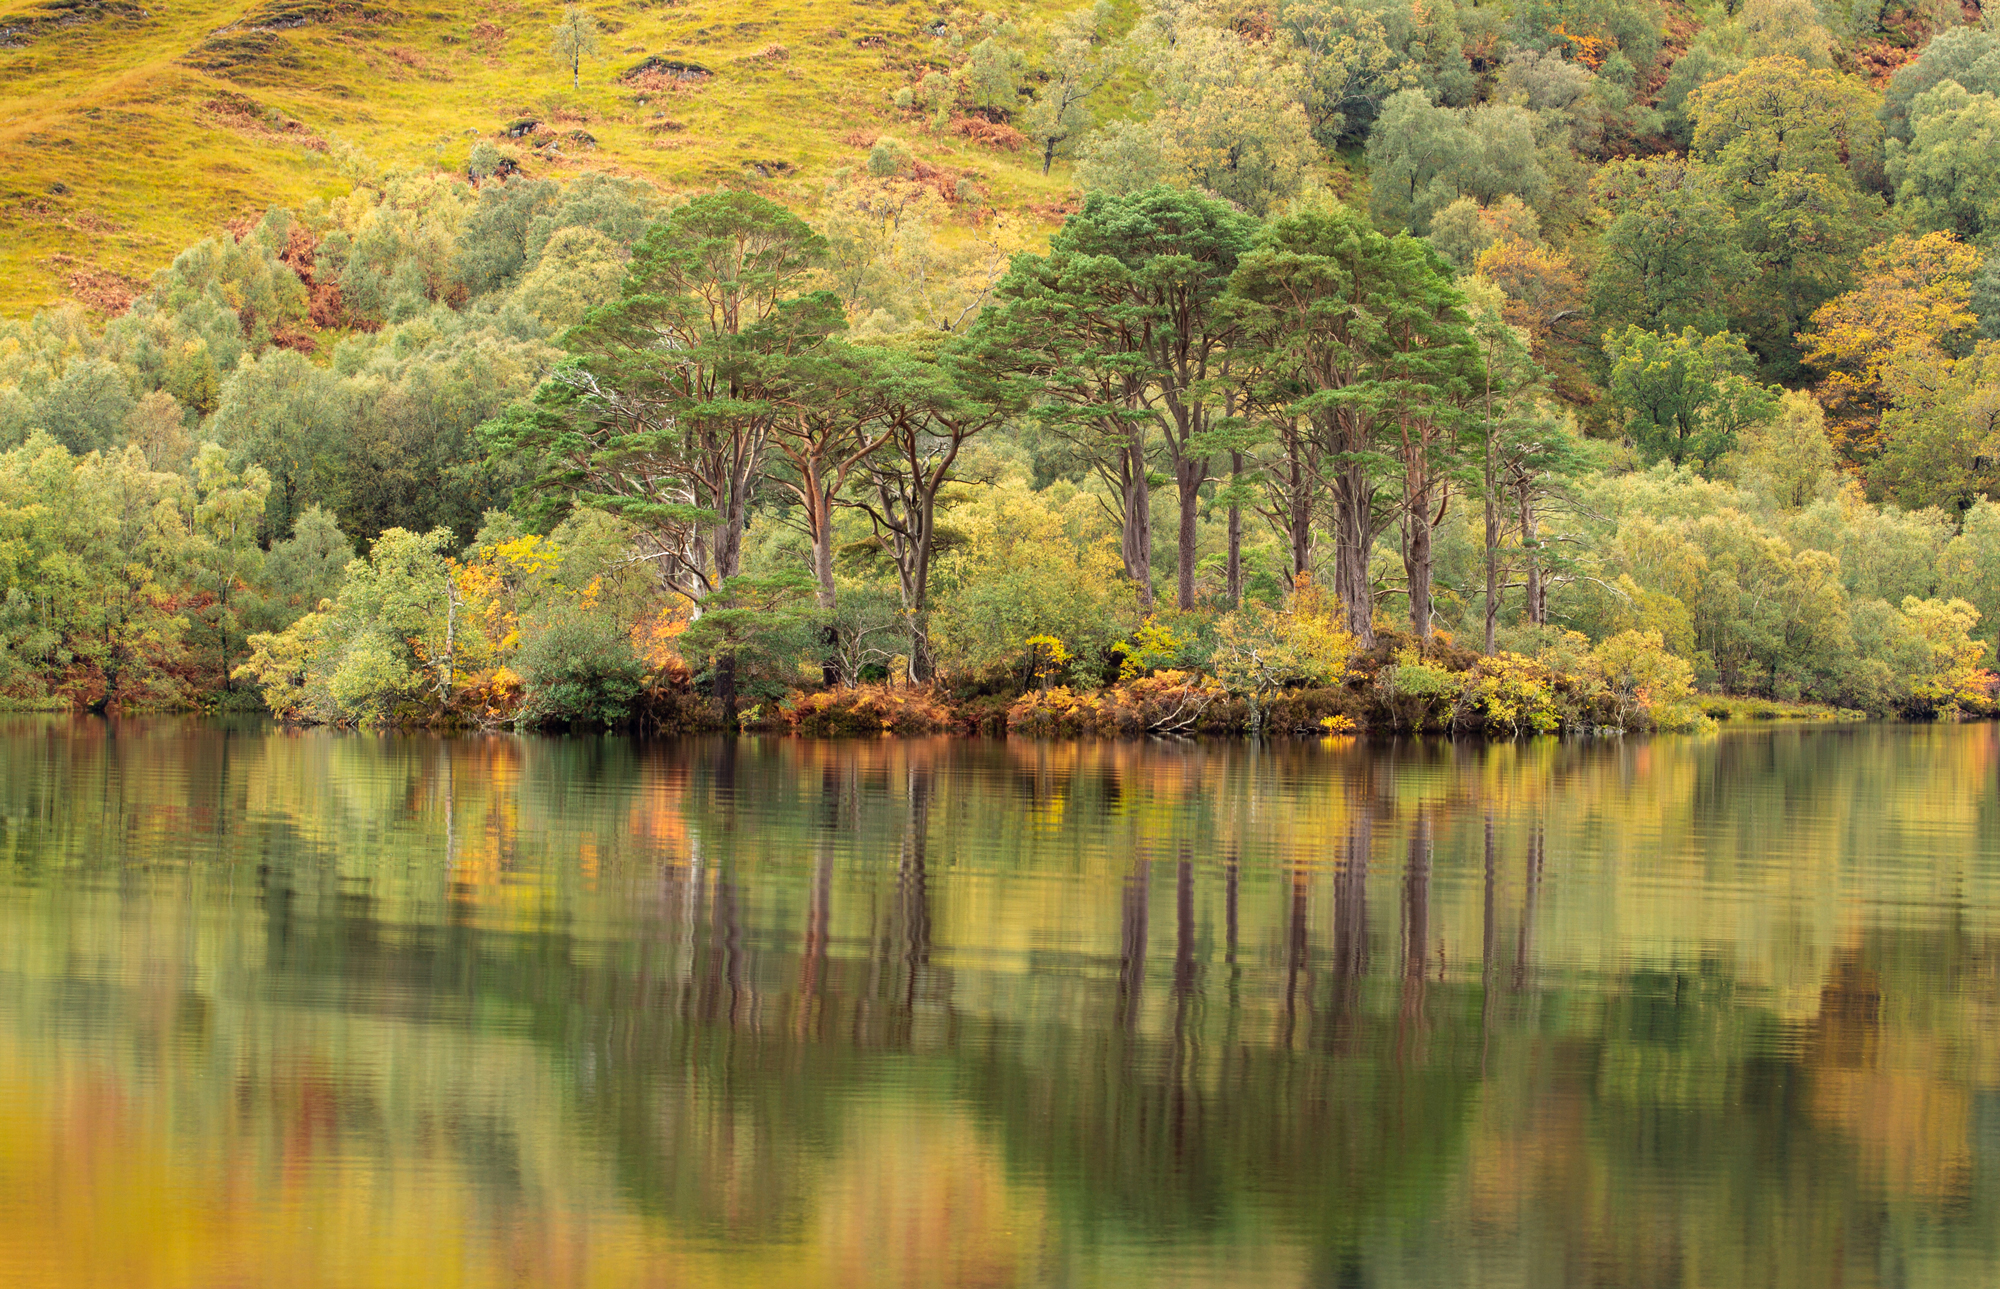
(579, 668)
(1420, 694)
(1515, 695)
(1646, 682)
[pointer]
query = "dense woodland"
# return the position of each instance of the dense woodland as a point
(1516, 367)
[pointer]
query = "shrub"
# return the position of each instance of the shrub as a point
(1419, 694)
(1645, 682)
(1514, 695)
(579, 668)
(1313, 711)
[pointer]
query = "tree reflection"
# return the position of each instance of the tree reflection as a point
(1120, 993)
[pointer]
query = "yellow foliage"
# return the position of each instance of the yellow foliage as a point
(1261, 652)
(1954, 679)
(1642, 677)
(1047, 656)
(1516, 693)
(1152, 644)
(1913, 307)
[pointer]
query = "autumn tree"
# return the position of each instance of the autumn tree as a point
(1912, 307)
(1075, 63)
(1227, 119)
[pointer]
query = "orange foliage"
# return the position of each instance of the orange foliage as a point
(1591, 51)
(1166, 702)
(867, 709)
(988, 134)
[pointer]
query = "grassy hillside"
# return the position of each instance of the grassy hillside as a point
(128, 131)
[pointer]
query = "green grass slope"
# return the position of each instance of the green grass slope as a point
(132, 128)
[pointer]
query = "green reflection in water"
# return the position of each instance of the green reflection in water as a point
(315, 1008)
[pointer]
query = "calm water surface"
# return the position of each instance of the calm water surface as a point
(319, 1009)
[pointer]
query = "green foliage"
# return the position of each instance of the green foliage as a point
(88, 551)
(1789, 454)
(1670, 251)
(1073, 67)
(1969, 56)
(1687, 397)
(394, 640)
(578, 667)
(491, 248)
(759, 628)
(1223, 113)
(1941, 436)
(1421, 694)
(1948, 175)
(1422, 158)
(306, 568)
(1029, 564)
(86, 408)
(1350, 66)
(978, 466)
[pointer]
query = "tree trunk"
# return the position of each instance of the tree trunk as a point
(1189, 473)
(1354, 532)
(1492, 562)
(1490, 478)
(916, 600)
(1537, 606)
(1298, 523)
(1136, 542)
(1417, 568)
(727, 545)
(1235, 531)
(821, 522)
(725, 688)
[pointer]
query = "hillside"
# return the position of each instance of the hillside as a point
(130, 131)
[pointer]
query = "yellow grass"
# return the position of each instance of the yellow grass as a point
(117, 147)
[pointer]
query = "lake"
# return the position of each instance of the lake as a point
(309, 1008)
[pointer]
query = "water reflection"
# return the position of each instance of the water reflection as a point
(308, 1008)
